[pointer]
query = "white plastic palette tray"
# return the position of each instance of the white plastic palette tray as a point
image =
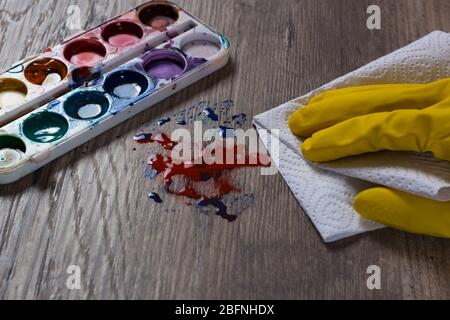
(42, 135)
(39, 79)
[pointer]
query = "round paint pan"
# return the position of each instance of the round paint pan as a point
(126, 84)
(158, 15)
(44, 72)
(202, 45)
(12, 150)
(85, 52)
(45, 127)
(164, 64)
(86, 105)
(12, 92)
(122, 33)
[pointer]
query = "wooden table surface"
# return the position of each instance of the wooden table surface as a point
(89, 208)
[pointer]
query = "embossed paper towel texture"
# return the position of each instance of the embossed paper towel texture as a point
(326, 193)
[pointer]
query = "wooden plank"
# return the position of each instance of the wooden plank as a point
(89, 208)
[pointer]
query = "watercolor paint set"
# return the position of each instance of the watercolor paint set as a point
(56, 101)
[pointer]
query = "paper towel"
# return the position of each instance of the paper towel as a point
(326, 193)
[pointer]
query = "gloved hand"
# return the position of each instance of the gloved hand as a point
(403, 117)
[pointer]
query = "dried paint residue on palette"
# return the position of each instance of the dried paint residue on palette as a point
(88, 55)
(205, 183)
(161, 50)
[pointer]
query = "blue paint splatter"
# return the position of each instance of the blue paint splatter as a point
(155, 197)
(239, 119)
(211, 114)
(53, 105)
(222, 209)
(227, 104)
(143, 138)
(150, 173)
(181, 122)
(162, 122)
(226, 132)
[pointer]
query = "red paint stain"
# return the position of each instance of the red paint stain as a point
(205, 169)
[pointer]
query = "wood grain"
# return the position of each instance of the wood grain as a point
(89, 208)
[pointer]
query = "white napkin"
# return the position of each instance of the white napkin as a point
(326, 193)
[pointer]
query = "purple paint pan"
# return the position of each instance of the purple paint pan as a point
(164, 64)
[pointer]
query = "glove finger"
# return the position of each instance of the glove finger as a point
(402, 130)
(404, 211)
(343, 104)
(350, 90)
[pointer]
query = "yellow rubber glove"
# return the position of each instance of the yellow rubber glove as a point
(404, 211)
(353, 121)
(405, 117)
